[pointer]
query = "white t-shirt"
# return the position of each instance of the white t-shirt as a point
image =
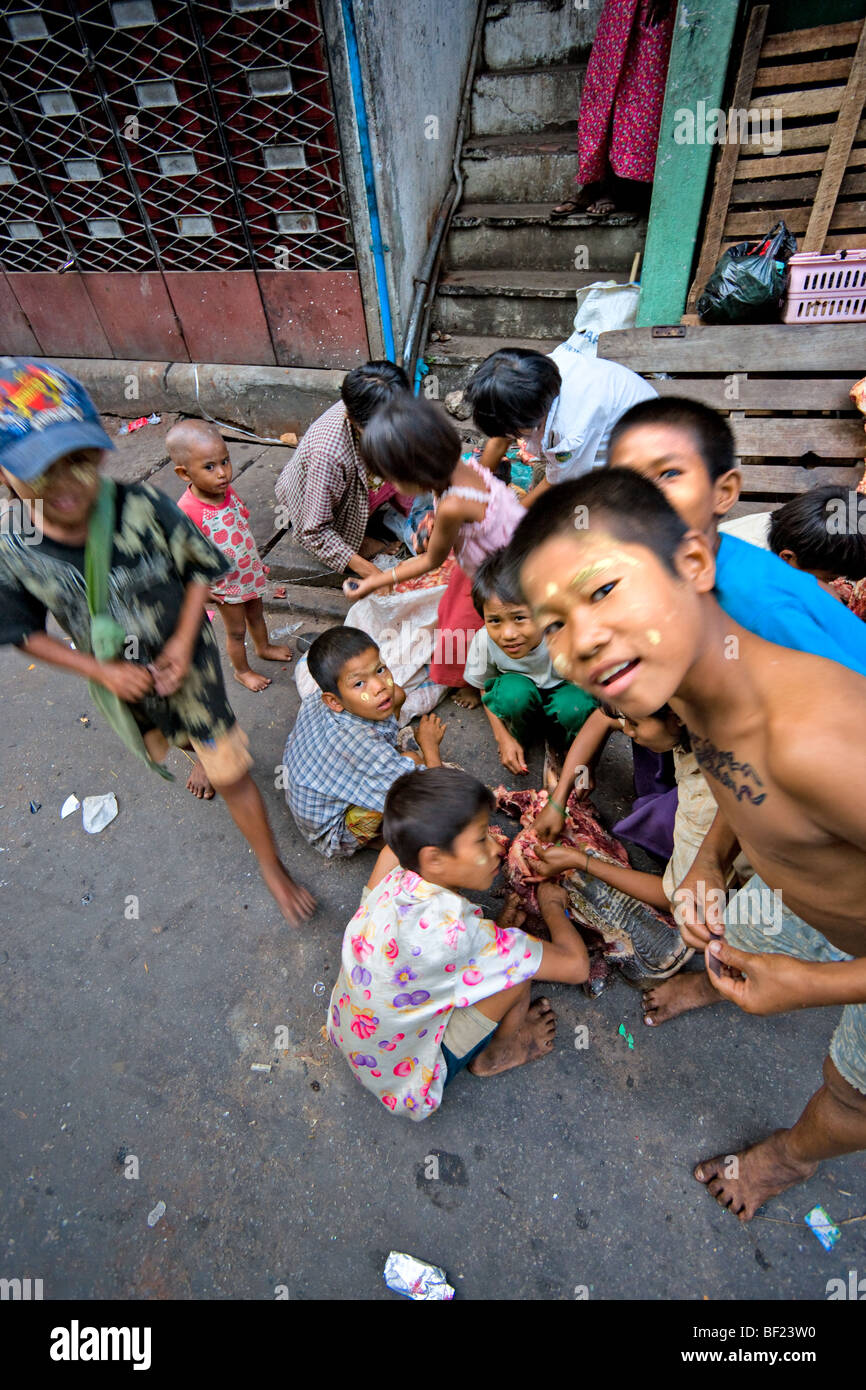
(485, 660)
(595, 393)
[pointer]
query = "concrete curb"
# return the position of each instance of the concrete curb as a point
(269, 401)
(303, 598)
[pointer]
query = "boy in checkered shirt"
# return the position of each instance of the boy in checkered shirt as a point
(341, 757)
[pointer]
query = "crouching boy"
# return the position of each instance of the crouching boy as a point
(509, 662)
(341, 756)
(428, 985)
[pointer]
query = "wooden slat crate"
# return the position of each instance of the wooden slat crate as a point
(814, 83)
(763, 377)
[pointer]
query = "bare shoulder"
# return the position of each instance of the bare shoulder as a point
(815, 724)
(453, 511)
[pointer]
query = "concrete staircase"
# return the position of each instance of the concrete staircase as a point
(510, 275)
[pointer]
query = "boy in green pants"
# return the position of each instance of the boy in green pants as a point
(508, 660)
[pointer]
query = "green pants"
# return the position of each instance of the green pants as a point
(526, 710)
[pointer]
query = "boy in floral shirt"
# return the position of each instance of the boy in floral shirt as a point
(427, 985)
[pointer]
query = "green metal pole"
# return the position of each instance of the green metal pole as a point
(698, 68)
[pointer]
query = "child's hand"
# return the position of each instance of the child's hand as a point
(431, 732)
(171, 667)
(422, 536)
(548, 823)
(511, 754)
(552, 897)
(512, 914)
(125, 680)
(553, 860)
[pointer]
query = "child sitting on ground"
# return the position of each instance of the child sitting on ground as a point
(662, 732)
(629, 609)
(509, 662)
(201, 458)
(341, 756)
(410, 442)
(127, 576)
(428, 986)
(819, 532)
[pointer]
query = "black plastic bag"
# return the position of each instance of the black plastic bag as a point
(749, 279)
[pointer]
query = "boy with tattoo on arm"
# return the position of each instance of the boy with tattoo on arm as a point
(626, 602)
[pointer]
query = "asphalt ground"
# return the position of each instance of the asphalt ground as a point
(132, 1038)
(126, 1046)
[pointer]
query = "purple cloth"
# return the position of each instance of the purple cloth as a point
(651, 821)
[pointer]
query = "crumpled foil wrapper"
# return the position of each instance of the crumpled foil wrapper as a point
(404, 1274)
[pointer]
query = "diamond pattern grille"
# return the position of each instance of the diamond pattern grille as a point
(167, 134)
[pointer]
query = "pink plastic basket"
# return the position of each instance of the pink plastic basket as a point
(826, 289)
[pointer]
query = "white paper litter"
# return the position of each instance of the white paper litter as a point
(70, 804)
(98, 812)
(157, 1214)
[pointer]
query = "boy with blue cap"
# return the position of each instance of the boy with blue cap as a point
(127, 576)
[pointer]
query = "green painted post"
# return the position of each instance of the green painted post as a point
(697, 72)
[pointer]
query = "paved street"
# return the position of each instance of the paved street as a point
(130, 1036)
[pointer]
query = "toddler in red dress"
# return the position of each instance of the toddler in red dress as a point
(201, 458)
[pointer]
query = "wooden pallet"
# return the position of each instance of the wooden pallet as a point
(813, 81)
(763, 378)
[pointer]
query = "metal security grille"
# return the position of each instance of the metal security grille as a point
(168, 135)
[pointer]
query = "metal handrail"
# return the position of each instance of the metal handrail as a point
(428, 275)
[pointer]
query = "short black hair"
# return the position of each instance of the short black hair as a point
(634, 510)
(815, 526)
(494, 579)
(331, 650)
(365, 388)
(709, 430)
(512, 390)
(410, 440)
(431, 807)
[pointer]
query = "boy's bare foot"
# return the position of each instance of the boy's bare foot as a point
(199, 783)
(677, 996)
(467, 696)
(532, 1040)
(764, 1170)
(252, 680)
(294, 902)
(271, 653)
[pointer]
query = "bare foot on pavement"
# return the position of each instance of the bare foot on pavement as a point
(252, 681)
(762, 1172)
(677, 996)
(533, 1040)
(199, 783)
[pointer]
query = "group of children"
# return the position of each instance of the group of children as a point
(612, 602)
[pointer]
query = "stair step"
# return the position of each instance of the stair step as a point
(506, 167)
(526, 98)
(507, 303)
(452, 364)
(490, 236)
(515, 34)
(519, 284)
(491, 214)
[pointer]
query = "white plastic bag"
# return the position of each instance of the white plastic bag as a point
(603, 307)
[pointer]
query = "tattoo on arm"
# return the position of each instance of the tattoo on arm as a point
(740, 778)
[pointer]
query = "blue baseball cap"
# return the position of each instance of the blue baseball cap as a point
(44, 414)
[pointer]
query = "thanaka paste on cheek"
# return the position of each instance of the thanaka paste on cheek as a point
(653, 636)
(365, 697)
(560, 663)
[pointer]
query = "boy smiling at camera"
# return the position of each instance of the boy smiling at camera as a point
(624, 593)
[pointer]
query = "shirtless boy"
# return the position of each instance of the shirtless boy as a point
(624, 593)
